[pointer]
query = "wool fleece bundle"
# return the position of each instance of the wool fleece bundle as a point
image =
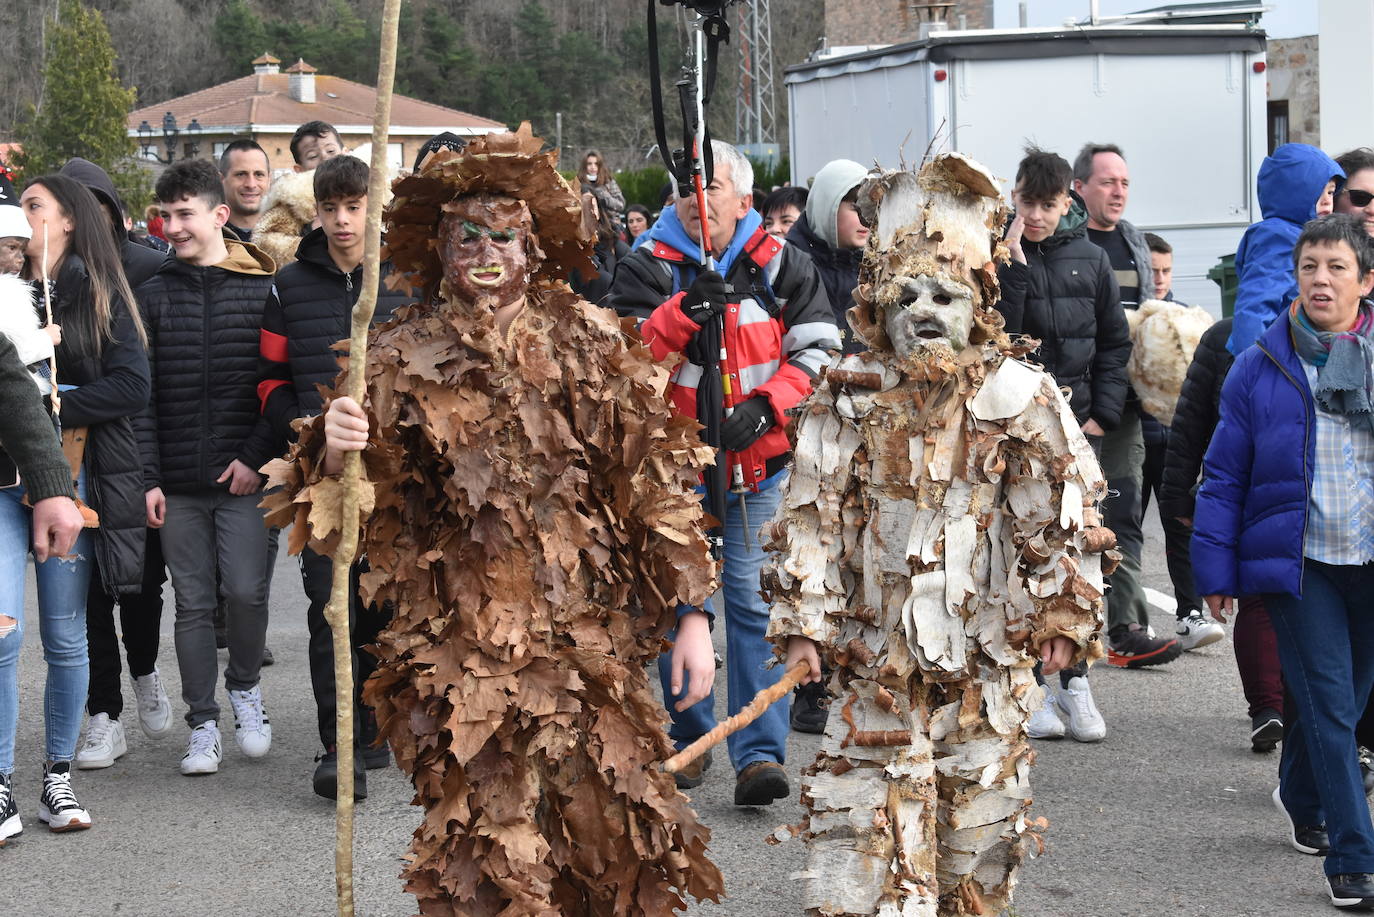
(1164, 336)
(531, 517)
(940, 529)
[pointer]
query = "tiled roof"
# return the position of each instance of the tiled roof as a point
(263, 99)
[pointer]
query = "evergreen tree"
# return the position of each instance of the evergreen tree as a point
(84, 108)
(241, 36)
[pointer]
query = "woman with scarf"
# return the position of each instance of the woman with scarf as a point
(1286, 511)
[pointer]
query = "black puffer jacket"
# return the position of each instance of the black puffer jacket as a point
(112, 389)
(1066, 297)
(309, 311)
(204, 325)
(1195, 418)
(839, 270)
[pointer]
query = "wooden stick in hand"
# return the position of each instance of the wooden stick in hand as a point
(761, 702)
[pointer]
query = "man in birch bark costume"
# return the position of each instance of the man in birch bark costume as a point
(529, 511)
(939, 535)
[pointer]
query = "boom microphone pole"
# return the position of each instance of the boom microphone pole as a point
(692, 168)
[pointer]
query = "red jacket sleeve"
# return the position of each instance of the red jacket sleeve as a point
(667, 330)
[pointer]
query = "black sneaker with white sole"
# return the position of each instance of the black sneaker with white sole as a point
(57, 806)
(10, 826)
(1352, 890)
(1309, 839)
(1266, 729)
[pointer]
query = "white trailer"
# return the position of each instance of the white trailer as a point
(1185, 103)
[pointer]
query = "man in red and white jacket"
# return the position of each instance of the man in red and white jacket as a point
(779, 332)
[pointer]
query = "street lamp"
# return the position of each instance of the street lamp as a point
(170, 133)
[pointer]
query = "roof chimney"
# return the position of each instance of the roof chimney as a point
(265, 65)
(302, 84)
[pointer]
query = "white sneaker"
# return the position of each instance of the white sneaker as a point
(104, 743)
(1085, 722)
(203, 752)
(154, 709)
(1044, 722)
(251, 729)
(1196, 631)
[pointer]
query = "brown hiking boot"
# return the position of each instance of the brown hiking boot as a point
(760, 783)
(695, 772)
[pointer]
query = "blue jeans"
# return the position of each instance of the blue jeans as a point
(747, 652)
(62, 584)
(1326, 649)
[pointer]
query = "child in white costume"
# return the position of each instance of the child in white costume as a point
(939, 536)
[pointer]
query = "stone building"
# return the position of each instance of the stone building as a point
(268, 105)
(886, 22)
(1294, 91)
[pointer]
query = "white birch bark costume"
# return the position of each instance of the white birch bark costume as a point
(940, 524)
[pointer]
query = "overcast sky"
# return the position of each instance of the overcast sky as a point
(1287, 18)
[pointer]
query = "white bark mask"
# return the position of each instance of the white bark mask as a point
(923, 312)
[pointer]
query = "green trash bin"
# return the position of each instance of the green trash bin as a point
(1223, 274)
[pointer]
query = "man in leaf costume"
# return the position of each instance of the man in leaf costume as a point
(529, 511)
(939, 535)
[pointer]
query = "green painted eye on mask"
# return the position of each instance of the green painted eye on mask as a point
(472, 232)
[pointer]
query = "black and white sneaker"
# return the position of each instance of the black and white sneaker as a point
(1266, 729)
(1352, 890)
(1309, 839)
(10, 825)
(57, 806)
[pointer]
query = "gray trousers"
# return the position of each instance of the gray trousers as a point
(1123, 461)
(204, 533)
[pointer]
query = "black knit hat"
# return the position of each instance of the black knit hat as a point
(445, 141)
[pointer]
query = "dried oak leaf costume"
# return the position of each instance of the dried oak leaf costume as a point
(940, 524)
(532, 518)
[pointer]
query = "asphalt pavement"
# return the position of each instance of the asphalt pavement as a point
(1170, 815)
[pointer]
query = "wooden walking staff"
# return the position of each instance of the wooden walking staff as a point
(336, 613)
(47, 307)
(761, 702)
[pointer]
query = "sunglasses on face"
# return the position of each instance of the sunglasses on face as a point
(1359, 198)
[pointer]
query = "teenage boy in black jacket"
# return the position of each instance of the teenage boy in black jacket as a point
(204, 312)
(310, 310)
(1059, 288)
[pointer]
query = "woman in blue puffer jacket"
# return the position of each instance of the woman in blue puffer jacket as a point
(1286, 511)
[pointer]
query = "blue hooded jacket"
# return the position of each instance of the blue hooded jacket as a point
(669, 230)
(1251, 513)
(1290, 181)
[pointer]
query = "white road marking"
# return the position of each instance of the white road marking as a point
(1160, 600)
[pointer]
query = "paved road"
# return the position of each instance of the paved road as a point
(1169, 816)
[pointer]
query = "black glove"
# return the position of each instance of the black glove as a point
(706, 297)
(751, 419)
(702, 348)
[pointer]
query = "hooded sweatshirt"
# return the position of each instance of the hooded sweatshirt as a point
(1290, 181)
(140, 262)
(817, 234)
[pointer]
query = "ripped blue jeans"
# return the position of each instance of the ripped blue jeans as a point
(62, 584)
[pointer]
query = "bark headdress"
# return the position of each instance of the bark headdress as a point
(935, 237)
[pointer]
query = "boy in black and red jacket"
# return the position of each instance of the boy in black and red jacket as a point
(308, 311)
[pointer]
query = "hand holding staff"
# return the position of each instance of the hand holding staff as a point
(337, 611)
(761, 702)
